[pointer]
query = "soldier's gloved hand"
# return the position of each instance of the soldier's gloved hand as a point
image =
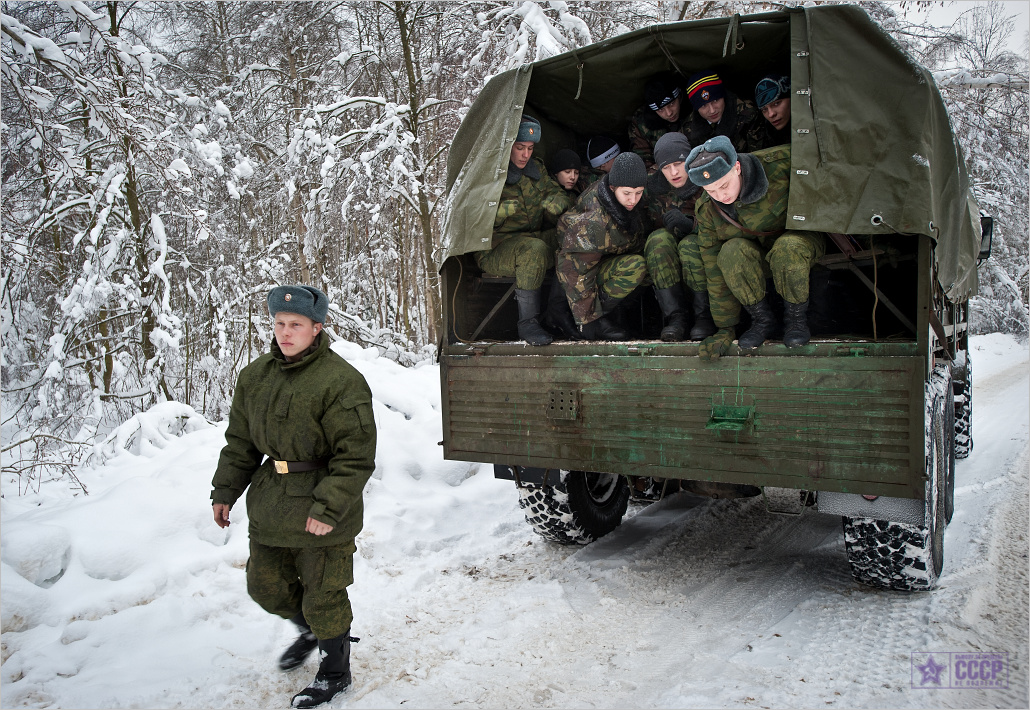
(678, 223)
(715, 346)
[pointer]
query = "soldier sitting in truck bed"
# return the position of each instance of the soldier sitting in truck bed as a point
(524, 237)
(602, 237)
(661, 113)
(720, 112)
(772, 97)
(741, 239)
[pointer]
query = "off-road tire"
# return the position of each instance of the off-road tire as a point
(963, 388)
(577, 508)
(902, 556)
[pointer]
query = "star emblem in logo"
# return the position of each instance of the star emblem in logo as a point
(288, 297)
(705, 173)
(931, 671)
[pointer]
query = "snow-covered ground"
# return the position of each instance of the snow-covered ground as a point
(132, 597)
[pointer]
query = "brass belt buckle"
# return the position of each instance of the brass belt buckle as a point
(282, 467)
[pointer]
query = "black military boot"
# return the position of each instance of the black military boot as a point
(530, 303)
(795, 324)
(333, 675)
(674, 308)
(704, 326)
(603, 329)
(300, 649)
(558, 318)
(762, 323)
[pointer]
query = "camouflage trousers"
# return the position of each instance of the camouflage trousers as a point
(527, 257)
(745, 265)
(285, 581)
(618, 276)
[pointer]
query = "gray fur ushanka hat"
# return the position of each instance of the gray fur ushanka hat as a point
(302, 300)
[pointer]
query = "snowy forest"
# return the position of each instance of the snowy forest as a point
(166, 163)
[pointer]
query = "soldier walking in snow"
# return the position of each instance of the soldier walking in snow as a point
(302, 439)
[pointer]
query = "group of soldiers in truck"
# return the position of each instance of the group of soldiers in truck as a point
(697, 209)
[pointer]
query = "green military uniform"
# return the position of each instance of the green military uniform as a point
(741, 122)
(732, 265)
(601, 245)
(645, 128)
(524, 238)
(316, 409)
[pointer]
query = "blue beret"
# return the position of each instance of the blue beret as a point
(302, 300)
(529, 130)
(711, 161)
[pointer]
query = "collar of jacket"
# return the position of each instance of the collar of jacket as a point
(657, 184)
(754, 183)
(514, 174)
(314, 351)
(628, 222)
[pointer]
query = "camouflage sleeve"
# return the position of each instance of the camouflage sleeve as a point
(507, 209)
(351, 431)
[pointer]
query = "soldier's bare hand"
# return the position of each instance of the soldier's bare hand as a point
(221, 512)
(317, 527)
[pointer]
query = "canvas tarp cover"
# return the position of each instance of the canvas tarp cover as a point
(878, 157)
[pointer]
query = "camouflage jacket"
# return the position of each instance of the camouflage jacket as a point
(761, 207)
(531, 203)
(597, 227)
(646, 127)
(741, 123)
(663, 197)
(317, 408)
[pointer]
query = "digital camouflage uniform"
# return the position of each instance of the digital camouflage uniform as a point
(741, 122)
(598, 255)
(524, 238)
(646, 127)
(319, 408)
(733, 266)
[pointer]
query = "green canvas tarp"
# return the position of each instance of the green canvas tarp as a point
(872, 148)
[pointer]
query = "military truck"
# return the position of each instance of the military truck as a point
(864, 422)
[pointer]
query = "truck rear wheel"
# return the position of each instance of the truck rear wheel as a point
(578, 508)
(902, 556)
(963, 387)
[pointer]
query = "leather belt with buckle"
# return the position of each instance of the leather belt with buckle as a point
(299, 466)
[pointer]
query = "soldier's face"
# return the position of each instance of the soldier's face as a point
(521, 152)
(295, 333)
(726, 189)
(712, 111)
(628, 197)
(568, 178)
(671, 111)
(676, 173)
(777, 112)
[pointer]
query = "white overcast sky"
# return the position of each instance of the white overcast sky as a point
(1020, 9)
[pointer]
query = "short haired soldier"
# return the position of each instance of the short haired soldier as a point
(524, 236)
(301, 442)
(661, 113)
(602, 237)
(742, 240)
(720, 112)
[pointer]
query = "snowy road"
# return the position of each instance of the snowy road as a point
(690, 603)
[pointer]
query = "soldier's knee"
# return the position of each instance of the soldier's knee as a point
(534, 252)
(660, 239)
(736, 252)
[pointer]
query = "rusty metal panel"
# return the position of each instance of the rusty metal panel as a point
(848, 424)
